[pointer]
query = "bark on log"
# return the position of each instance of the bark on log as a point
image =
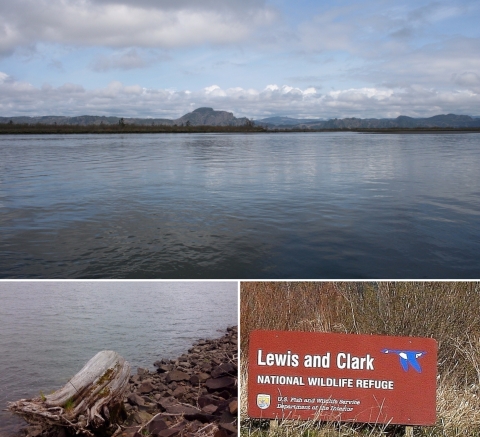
(91, 399)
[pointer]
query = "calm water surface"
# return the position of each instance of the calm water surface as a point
(49, 330)
(313, 205)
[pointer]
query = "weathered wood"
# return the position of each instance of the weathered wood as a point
(92, 398)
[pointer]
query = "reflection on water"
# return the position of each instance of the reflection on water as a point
(330, 205)
(49, 330)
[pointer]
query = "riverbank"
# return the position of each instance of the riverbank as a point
(195, 394)
(51, 129)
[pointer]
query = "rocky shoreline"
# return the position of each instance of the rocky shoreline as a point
(193, 395)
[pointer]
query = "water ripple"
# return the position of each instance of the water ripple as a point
(240, 206)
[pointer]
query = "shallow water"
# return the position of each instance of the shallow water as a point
(313, 205)
(49, 330)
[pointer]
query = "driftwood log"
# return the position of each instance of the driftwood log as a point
(92, 399)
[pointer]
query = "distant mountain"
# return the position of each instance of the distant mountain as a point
(84, 120)
(199, 117)
(210, 117)
(441, 121)
(284, 121)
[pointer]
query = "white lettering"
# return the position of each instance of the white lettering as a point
(281, 360)
(349, 361)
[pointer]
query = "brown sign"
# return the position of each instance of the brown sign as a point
(342, 377)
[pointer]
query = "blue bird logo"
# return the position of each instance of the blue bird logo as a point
(407, 358)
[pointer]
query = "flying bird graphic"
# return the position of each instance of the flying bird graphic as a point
(407, 358)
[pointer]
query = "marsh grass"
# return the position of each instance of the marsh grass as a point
(446, 311)
(69, 405)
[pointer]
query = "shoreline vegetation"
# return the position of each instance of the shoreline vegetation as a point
(195, 395)
(67, 129)
(446, 311)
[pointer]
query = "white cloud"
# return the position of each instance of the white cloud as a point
(127, 60)
(468, 80)
(328, 31)
(123, 24)
(20, 98)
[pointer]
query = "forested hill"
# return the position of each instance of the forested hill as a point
(211, 117)
(199, 117)
(402, 122)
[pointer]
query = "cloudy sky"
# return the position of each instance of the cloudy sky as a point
(256, 58)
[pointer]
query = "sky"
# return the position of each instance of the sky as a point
(255, 58)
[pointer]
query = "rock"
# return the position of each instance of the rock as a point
(206, 367)
(135, 399)
(179, 392)
(225, 394)
(135, 378)
(163, 368)
(170, 432)
(227, 417)
(174, 431)
(141, 371)
(210, 409)
(219, 383)
(224, 369)
(142, 417)
(194, 426)
(161, 387)
(201, 417)
(34, 431)
(229, 427)
(182, 409)
(220, 433)
(165, 403)
(194, 380)
(145, 387)
(207, 400)
(203, 376)
(233, 407)
(156, 425)
(177, 375)
(130, 431)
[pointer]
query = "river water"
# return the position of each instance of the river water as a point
(308, 205)
(49, 330)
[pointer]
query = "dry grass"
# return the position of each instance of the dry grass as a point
(446, 311)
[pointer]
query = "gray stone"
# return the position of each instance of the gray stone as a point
(210, 409)
(142, 417)
(145, 387)
(194, 380)
(156, 425)
(135, 399)
(177, 375)
(179, 392)
(182, 409)
(141, 371)
(228, 426)
(224, 369)
(220, 383)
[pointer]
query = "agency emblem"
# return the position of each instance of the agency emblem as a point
(263, 401)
